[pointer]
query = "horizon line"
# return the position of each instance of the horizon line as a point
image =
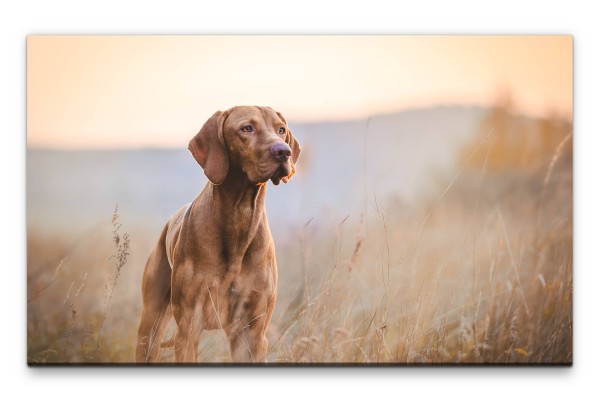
(141, 147)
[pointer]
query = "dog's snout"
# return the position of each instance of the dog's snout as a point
(281, 151)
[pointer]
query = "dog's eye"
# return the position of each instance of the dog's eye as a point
(247, 128)
(281, 130)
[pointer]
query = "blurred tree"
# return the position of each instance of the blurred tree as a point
(511, 141)
(551, 131)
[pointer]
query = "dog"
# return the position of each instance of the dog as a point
(214, 264)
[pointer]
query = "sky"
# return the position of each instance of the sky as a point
(157, 91)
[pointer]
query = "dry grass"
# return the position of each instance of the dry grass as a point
(479, 272)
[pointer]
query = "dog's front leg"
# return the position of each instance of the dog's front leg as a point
(189, 330)
(248, 346)
(249, 342)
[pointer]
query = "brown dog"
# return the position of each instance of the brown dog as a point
(214, 264)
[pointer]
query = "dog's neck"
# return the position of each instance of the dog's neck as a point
(238, 194)
(239, 206)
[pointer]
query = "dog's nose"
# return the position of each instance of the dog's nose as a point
(281, 151)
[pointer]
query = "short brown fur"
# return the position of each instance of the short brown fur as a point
(214, 264)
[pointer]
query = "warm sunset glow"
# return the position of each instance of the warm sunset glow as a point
(136, 91)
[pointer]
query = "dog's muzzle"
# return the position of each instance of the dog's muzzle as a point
(282, 153)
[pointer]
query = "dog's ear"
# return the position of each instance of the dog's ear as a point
(208, 148)
(291, 140)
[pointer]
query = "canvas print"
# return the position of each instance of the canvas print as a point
(299, 200)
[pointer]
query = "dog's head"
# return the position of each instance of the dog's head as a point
(253, 140)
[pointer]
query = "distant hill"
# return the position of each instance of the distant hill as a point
(343, 163)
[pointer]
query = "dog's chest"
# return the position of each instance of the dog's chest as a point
(237, 301)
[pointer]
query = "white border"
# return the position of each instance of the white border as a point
(309, 16)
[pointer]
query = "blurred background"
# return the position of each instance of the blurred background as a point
(430, 220)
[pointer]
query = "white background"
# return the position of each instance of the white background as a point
(18, 19)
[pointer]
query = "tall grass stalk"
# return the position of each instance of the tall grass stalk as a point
(121, 244)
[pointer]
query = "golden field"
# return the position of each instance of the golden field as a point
(478, 270)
